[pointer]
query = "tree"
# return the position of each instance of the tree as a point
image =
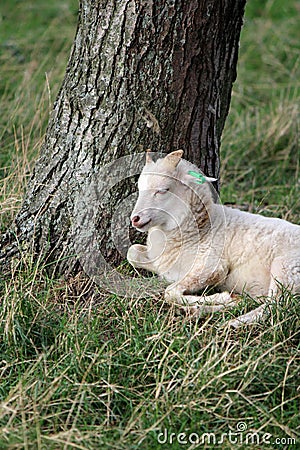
(141, 74)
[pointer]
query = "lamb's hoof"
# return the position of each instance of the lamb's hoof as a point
(226, 298)
(251, 318)
(235, 323)
(245, 319)
(173, 296)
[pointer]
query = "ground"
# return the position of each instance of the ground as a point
(82, 371)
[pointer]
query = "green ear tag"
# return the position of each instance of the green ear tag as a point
(200, 178)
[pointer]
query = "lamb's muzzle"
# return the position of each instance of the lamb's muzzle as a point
(138, 222)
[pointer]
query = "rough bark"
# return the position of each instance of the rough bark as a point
(142, 73)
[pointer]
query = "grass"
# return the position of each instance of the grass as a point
(261, 153)
(33, 57)
(83, 370)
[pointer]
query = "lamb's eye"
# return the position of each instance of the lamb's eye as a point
(161, 191)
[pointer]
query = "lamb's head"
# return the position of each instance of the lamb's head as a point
(167, 193)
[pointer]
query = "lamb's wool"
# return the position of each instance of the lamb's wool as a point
(194, 242)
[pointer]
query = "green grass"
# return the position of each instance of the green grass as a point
(83, 370)
(35, 42)
(114, 374)
(260, 152)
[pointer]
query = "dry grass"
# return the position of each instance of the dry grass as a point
(81, 369)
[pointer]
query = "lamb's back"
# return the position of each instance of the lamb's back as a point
(267, 237)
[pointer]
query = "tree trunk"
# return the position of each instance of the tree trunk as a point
(141, 74)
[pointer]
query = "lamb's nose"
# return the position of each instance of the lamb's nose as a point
(135, 220)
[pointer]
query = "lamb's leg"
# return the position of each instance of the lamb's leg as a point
(277, 274)
(250, 318)
(198, 305)
(137, 256)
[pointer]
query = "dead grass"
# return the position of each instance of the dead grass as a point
(81, 369)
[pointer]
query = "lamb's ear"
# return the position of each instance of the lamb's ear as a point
(199, 177)
(148, 156)
(173, 158)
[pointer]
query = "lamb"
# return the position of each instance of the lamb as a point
(195, 243)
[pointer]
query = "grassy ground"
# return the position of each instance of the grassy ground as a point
(78, 373)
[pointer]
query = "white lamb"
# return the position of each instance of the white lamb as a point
(194, 242)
